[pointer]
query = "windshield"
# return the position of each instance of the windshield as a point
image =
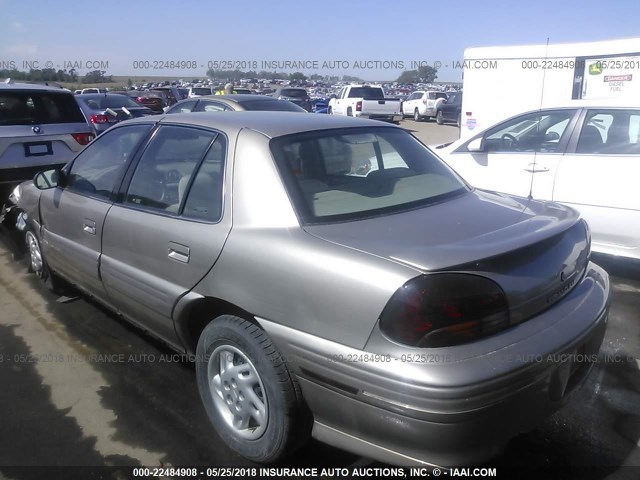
(28, 108)
(273, 105)
(294, 93)
(201, 91)
(348, 174)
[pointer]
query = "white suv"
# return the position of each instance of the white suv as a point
(40, 127)
(423, 104)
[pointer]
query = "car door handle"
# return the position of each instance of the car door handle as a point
(180, 253)
(533, 168)
(89, 227)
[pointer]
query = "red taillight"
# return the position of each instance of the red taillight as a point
(96, 119)
(358, 106)
(83, 138)
(140, 99)
(469, 114)
(445, 309)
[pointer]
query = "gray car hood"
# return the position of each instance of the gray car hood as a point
(474, 226)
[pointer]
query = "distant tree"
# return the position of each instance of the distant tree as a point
(129, 83)
(350, 78)
(97, 76)
(297, 76)
(408, 76)
(427, 74)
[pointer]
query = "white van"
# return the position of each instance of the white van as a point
(500, 82)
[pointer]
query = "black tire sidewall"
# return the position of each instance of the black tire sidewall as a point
(439, 119)
(228, 330)
(416, 115)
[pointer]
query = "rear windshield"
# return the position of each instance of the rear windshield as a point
(111, 101)
(28, 108)
(348, 174)
(294, 93)
(271, 105)
(201, 91)
(366, 92)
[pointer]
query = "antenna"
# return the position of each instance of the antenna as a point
(535, 153)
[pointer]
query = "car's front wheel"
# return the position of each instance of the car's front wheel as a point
(38, 264)
(251, 398)
(439, 118)
(416, 115)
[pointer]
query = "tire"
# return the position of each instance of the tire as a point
(439, 118)
(329, 111)
(459, 120)
(416, 115)
(38, 264)
(349, 112)
(239, 368)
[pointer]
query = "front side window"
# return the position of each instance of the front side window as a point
(533, 132)
(96, 170)
(613, 132)
(358, 172)
(173, 154)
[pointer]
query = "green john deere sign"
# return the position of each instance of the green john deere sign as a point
(595, 68)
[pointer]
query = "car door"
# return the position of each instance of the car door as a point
(338, 106)
(409, 104)
(73, 214)
(519, 156)
(168, 229)
(451, 107)
(599, 176)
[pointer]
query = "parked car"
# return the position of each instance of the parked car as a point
(172, 93)
(299, 96)
(106, 109)
(154, 100)
(587, 157)
(244, 91)
(422, 104)
(40, 127)
(90, 90)
(236, 102)
(365, 101)
(401, 315)
(449, 110)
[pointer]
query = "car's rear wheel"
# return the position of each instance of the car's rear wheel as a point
(459, 121)
(416, 115)
(251, 398)
(439, 118)
(349, 112)
(330, 111)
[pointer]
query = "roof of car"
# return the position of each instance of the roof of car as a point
(272, 124)
(31, 86)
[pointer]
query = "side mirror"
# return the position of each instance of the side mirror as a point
(551, 136)
(48, 179)
(475, 145)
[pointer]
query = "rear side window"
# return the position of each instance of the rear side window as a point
(367, 92)
(613, 132)
(436, 95)
(30, 108)
(166, 166)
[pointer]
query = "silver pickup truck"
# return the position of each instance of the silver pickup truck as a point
(365, 101)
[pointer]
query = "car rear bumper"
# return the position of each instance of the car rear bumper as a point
(394, 117)
(430, 413)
